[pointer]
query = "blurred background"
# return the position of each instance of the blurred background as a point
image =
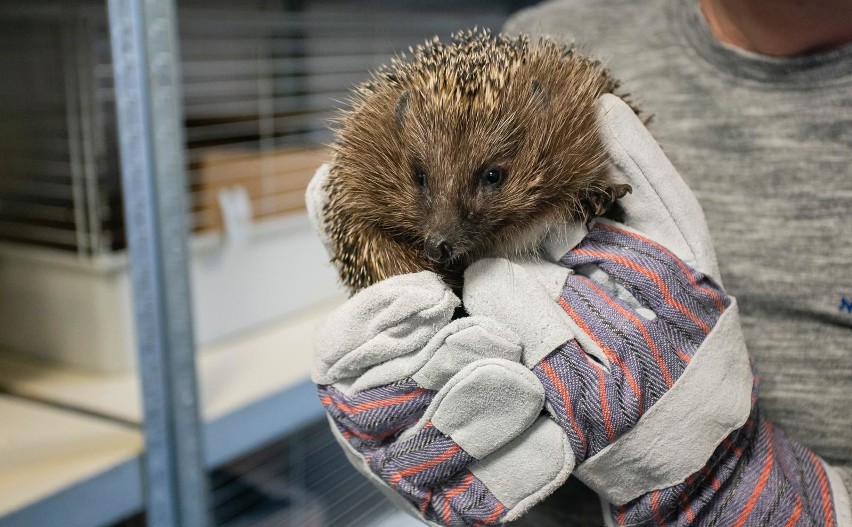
(257, 84)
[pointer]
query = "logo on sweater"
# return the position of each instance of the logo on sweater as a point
(845, 305)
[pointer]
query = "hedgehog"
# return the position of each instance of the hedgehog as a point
(479, 147)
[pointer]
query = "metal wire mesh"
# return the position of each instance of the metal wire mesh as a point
(260, 82)
(53, 160)
(303, 480)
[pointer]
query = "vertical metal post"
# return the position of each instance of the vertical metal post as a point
(82, 40)
(72, 117)
(265, 110)
(150, 125)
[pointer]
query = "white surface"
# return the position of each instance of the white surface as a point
(233, 373)
(282, 269)
(59, 307)
(43, 450)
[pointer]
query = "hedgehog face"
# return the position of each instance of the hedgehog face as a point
(469, 150)
(464, 165)
(489, 176)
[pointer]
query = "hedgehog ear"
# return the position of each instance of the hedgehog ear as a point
(538, 93)
(401, 108)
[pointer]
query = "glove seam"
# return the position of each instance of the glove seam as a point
(526, 503)
(456, 381)
(656, 193)
(464, 324)
(632, 447)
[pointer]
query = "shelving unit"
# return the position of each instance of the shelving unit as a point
(78, 448)
(76, 434)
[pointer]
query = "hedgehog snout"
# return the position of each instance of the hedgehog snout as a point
(438, 248)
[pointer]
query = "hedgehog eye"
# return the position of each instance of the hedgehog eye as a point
(420, 177)
(491, 177)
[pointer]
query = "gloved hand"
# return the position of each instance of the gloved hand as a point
(440, 411)
(656, 391)
(627, 349)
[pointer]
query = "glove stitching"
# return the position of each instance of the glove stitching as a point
(584, 405)
(656, 192)
(522, 505)
(614, 269)
(409, 446)
(439, 305)
(807, 499)
(617, 375)
(385, 329)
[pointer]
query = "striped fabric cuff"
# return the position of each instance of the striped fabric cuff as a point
(756, 476)
(677, 435)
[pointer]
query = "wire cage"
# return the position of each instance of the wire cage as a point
(260, 83)
(261, 80)
(301, 481)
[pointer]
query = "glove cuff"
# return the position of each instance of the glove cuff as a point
(679, 433)
(755, 477)
(840, 495)
(360, 463)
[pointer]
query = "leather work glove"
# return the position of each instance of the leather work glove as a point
(440, 411)
(630, 345)
(656, 391)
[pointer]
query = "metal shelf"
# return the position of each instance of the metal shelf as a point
(59, 467)
(254, 390)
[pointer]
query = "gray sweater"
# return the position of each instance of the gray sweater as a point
(766, 144)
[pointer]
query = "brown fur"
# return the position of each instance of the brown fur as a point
(453, 111)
